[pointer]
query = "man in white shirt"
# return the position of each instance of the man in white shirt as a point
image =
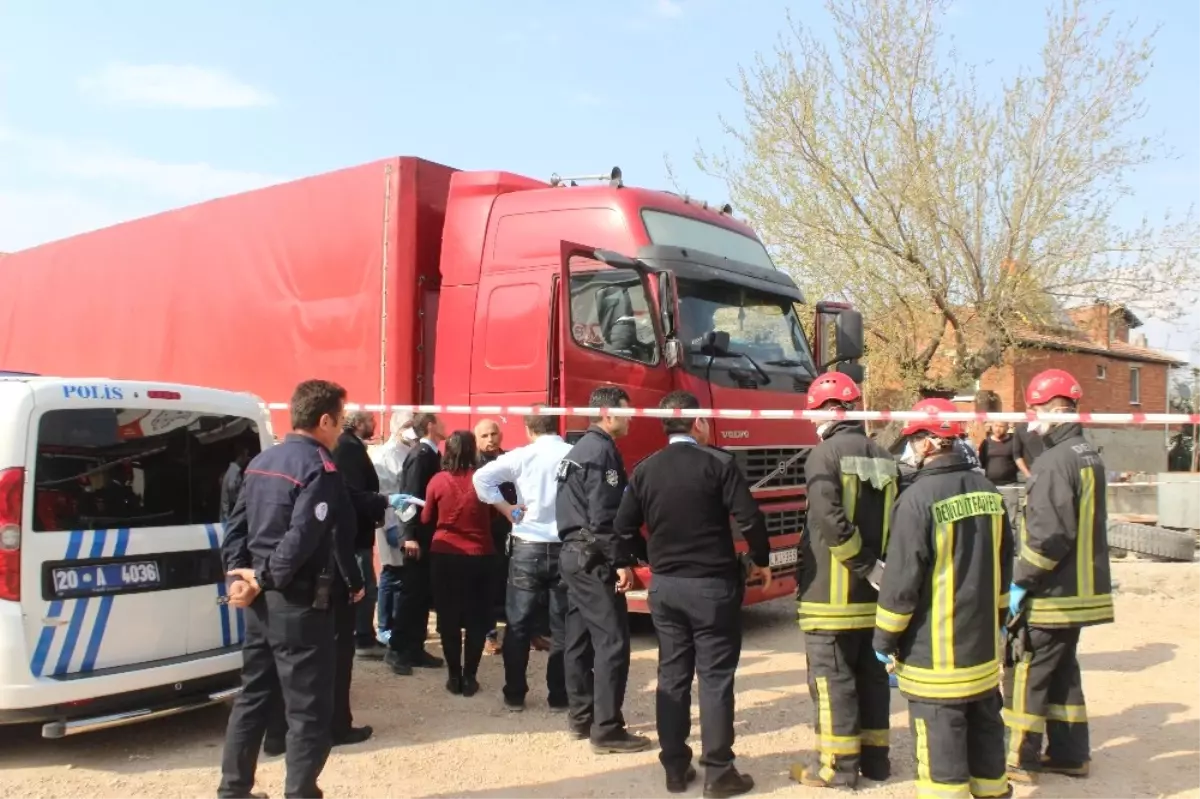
(388, 459)
(533, 573)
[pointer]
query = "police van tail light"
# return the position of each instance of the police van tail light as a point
(12, 486)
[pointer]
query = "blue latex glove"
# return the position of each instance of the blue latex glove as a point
(398, 501)
(392, 536)
(1016, 596)
(882, 658)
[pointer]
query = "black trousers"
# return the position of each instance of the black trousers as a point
(1044, 694)
(849, 688)
(535, 589)
(959, 748)
(288, 649)
(596, 658)
(411, 601)
(699, 626)
(345, 619)
(463, 599)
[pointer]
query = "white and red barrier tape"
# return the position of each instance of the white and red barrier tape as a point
(814, 416)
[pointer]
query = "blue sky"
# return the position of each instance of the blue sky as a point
(110, 111)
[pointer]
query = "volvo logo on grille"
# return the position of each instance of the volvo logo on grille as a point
(735, 434)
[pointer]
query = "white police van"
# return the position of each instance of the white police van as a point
(111, 582)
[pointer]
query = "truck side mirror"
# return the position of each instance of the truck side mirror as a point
(849, 342)
(854, 371)
(714, 343)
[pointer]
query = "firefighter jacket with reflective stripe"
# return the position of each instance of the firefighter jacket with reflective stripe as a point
(1062, 556)
(852, 483)
(945, 589)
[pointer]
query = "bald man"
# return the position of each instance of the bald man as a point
(487, 440)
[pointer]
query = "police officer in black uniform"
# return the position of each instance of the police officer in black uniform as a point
(595, 563)
(291, 500)
(685, 495)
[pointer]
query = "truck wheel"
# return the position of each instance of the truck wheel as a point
(1155, 542)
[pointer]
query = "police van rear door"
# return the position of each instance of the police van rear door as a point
(121, 561)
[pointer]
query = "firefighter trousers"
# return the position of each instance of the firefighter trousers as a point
(1043, 693)
(959, 748)
(849, 688)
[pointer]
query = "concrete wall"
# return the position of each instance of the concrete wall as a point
(1131, 449)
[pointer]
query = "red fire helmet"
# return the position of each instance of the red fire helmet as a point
(832, 387)
(942, 428)
(1050, 384)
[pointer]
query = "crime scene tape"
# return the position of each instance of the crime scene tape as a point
(1117, 419)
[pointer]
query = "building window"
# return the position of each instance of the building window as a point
(1135, 386)
(1101, 371)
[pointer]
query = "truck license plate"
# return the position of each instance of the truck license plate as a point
(75, 581)
(783, 557)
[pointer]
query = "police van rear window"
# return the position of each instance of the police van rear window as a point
(102, 468)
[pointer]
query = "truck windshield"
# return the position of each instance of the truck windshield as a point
(672, 230)
(760, 325)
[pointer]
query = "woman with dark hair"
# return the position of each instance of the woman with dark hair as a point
(461, 562)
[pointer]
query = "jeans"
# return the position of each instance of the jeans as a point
(364, 611)
(535, 591)
(385, 603)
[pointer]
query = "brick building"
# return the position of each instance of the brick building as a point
(1118, 372)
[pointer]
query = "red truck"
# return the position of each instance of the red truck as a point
(411, 282)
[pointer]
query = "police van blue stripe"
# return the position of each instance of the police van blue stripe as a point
(46, 639)
(223, 609)
(93, 647)
(77, 615)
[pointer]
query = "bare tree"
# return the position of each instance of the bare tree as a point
(883, 174)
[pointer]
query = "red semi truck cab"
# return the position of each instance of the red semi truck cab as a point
(549, 290)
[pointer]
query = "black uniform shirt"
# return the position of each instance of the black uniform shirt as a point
(591, 480)
(685, 494)
(231, 486)
(283, 523)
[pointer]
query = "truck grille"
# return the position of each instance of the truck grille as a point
(785, 522)
(757, 462)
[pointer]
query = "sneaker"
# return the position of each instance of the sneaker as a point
(558, 702)
(372, 652)
(731, 783)
(399, 665)
(1051, 766)
(428, 661)
(678, 783)
(626, 743)
(355, 735)
(580, 732)
(514, 705)
(384, 637)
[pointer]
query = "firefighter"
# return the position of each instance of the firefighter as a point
(949, 563)
(1061, 583)
(852, 482)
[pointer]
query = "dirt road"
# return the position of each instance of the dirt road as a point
(1141, 675)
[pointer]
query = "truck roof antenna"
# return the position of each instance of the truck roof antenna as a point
(614, 179)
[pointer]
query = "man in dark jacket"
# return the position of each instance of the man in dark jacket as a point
(852, 482)
(1062, 582)
(410, 622)
(488, 440)
(231, 483)
(358, 473)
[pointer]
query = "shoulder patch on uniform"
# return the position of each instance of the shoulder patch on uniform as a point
(321, 511)
(612, 478)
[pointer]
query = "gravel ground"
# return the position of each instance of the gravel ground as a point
(1141, 677)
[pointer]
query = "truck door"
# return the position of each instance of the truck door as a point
(609, 335)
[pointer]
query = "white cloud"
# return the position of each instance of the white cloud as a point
(70, 187)
(172, 86)
(668, 8)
